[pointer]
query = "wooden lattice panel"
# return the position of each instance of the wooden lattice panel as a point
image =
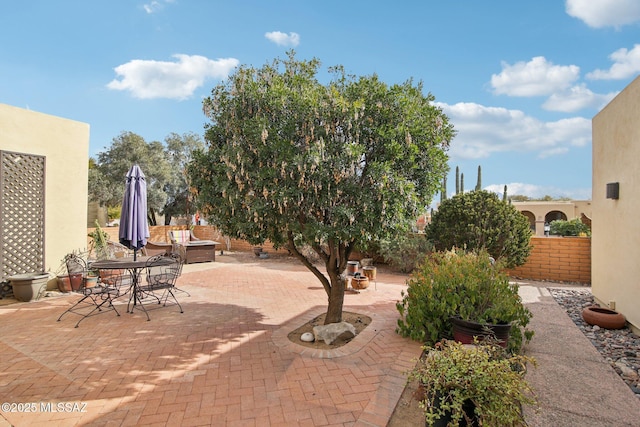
(22, 184)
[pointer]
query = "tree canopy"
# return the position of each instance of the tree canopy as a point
(163, 165)
(480, 220)
(327, 167)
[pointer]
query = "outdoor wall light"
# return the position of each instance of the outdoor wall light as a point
(613, 190)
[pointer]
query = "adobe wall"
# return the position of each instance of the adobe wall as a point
(562, 259)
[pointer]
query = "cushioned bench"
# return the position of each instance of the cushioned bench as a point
(196, 250)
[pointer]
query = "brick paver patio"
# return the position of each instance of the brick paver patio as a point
(226, 361)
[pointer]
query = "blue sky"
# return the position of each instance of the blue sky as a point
(520, 81)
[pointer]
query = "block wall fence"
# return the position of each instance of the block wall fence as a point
(160, 233)
(560, 259)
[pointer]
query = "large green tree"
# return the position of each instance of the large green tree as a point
(480, 220)
(164, 166)
(179, 149)
(330, 167)
(107, 179)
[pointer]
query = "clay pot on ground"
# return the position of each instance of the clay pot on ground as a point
(64, 283)
(90, 281)
(76, 280)
(603, 317)
(359, 282)
(29, 286)
(110, 277)
(465, 331)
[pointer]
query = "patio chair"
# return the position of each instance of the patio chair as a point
(181, 255)
(157, 248)
(161, 274)
(97, 296)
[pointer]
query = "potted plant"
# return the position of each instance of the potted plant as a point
(473, 385)
(65, 282)
(468, 286)
(99, 243)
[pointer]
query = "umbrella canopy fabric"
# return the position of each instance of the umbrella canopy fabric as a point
(134, 229)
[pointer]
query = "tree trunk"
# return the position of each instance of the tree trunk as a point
(335, 263)
(336, 301)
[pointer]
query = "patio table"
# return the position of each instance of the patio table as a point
(133, 267)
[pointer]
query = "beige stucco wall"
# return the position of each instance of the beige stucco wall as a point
(615, 227)
(65, 144)
(539, 209)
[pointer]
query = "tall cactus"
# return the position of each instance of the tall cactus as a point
(504, 195)
(457, 180)
(443, 192)
(462, 183)
(479, 182)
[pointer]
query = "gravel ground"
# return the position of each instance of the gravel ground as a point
(620, 347)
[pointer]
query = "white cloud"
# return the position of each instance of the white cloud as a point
(577, 98)
(604, 13)
(147, 79)
(534, 78)
(537, 191)
(626, 63)
(155, 6)
(485, 130)
(283, 39)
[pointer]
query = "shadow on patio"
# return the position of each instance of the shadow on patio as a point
(225, 361)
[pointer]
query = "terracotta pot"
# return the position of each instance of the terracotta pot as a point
(90, 281)
(359, 282)
(64, 283)
(76, 281)
(465, 331)
(110, 277)
(603, 317)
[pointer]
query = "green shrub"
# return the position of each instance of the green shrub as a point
(480, 220)
(405, 251)
(465, 284)
(495, 384)
(574, 227)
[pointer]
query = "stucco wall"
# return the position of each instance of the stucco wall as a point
(616, 229)
(65, 145)
(539, 209)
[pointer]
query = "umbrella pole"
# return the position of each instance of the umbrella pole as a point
(135, 252)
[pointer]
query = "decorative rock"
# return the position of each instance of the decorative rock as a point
(329, 333)
(615, 345)
(626, 372)
(307, 337)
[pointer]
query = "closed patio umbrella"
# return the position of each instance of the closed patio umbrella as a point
(134, 229)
